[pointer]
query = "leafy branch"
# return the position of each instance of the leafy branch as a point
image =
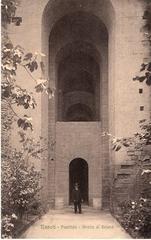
(145, 70)
(12, 58)
(139, 140)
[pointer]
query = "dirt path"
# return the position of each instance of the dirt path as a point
(66, 224)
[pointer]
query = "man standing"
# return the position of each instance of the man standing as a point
(76, 194)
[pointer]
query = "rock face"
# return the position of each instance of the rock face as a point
(130, 181)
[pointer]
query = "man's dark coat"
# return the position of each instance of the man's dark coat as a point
(76, 195)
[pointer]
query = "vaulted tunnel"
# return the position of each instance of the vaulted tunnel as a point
(78, 66)
(79, 40)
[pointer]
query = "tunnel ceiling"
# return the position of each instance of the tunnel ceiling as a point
(77, 72)
(77, 81)
(75, 39)
(79, 26)
(79, 112)
(73, 47)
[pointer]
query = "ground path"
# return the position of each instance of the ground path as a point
(65, 224)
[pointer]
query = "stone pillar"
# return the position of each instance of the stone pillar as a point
(97, 203)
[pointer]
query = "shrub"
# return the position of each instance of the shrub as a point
(136, 217)
(20, 187)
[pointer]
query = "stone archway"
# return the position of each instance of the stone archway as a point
(76, 39)
(78, 173)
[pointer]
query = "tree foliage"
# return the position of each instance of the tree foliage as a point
(8, 9)
(20, 179)
(145, 70)
(20, 182)
(135, 214)
(138, 141)
(12, 59)
(137, 217)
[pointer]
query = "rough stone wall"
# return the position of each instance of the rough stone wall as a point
(128, 181)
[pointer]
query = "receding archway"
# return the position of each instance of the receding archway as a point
(73, 30)
(79, 112)
(79, 44)
(78, 172)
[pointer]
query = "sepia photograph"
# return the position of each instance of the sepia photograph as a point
(76, 119)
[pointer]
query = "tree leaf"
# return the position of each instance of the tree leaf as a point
(41, 80)
(142, 78)
(148, 81)
(42, 66)
(118, 147)
(149, 66)
(28, 56)
(143, 67)
(39, 88)
(126, 144)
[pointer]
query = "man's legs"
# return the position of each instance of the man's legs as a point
(75, 207)
(79, 206)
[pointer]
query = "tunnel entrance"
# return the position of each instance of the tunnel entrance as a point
(76, 36)
(78, 173)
